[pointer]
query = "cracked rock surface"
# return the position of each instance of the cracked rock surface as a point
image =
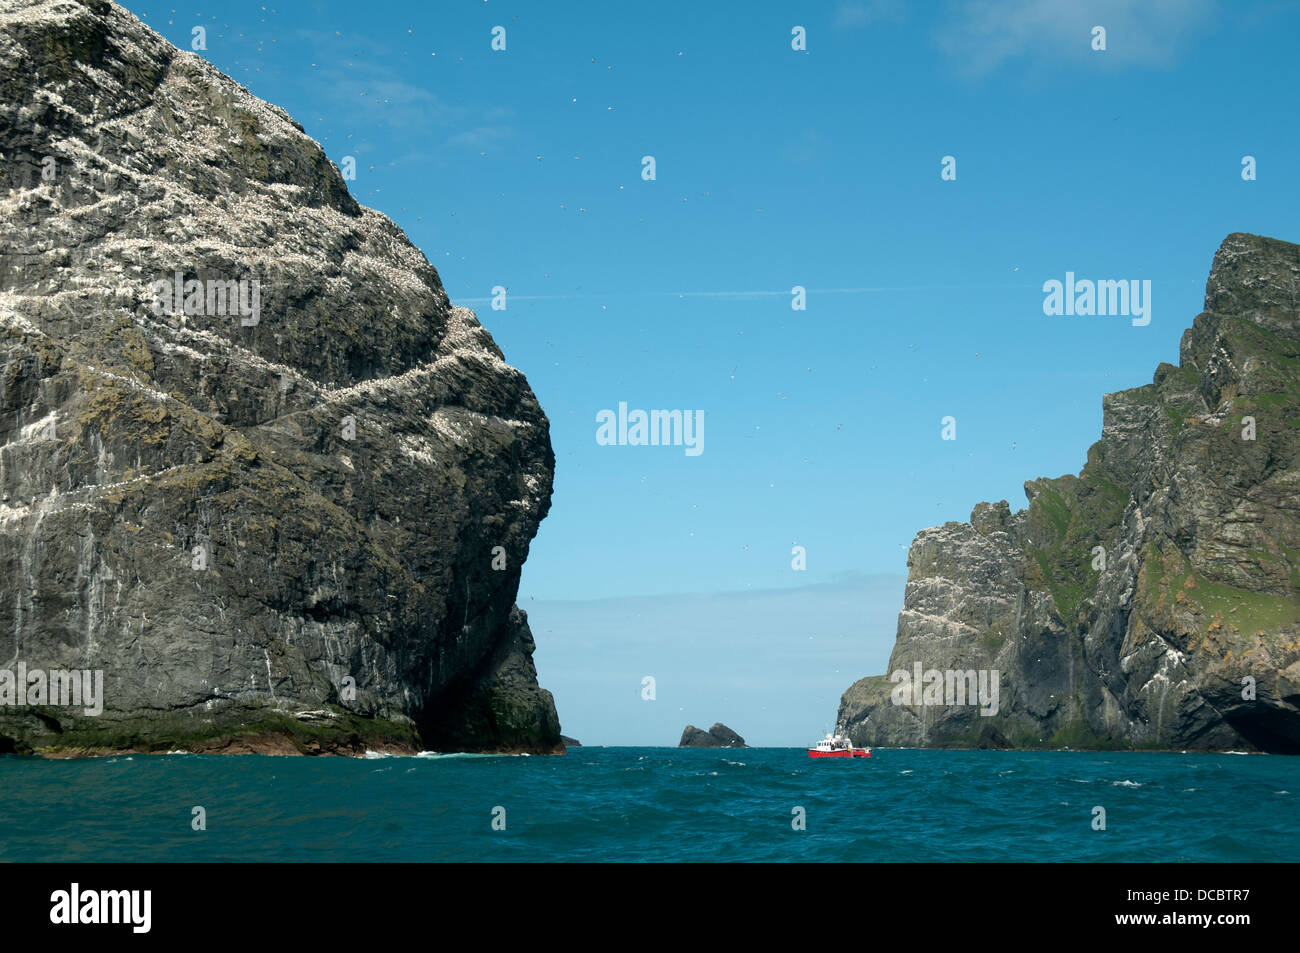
(299, 532)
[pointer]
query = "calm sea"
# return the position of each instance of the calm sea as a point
(655, 804)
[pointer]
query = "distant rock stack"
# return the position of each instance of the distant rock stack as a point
(257, 469)
(719, 736)
(1154, 599)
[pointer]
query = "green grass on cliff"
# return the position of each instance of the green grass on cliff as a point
(1185, 602)
(1253, 613)
(1068, 517)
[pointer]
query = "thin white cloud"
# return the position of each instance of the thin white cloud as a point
(479, 137)
(603, 296)
(367, 89)
(983, 35)
(863, 13)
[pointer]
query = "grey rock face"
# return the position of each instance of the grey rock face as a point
(298, 527)
(1154, 599)
(719, 736)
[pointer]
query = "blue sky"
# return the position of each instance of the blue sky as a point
(776, 168)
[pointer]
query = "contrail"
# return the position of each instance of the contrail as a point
(740, 294)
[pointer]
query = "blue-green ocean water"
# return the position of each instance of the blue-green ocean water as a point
(655, 804)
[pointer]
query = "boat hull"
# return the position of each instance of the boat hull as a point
(841, 753)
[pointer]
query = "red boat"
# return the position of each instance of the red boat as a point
(837, 746)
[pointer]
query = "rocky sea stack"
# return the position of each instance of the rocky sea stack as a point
(719, 736)
(295, 523)
(1152, 601)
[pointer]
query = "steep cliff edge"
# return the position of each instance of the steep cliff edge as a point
(1183, 629)
(294, 525)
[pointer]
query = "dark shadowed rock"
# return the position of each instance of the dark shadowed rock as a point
(727, 737)
(298, 527)
(1154, 599)
(693, 737)
(570, 742)
(719, 736)
(990, 737)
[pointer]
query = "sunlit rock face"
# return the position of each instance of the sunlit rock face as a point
(1154, 599)
(255, 467)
